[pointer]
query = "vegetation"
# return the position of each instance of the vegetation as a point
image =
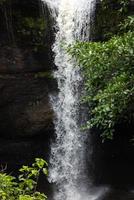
(25, 186)
(31, 31)
(108, 69)
(25, 26)
(23, 23)
(109, 14)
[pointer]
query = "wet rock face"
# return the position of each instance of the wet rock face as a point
(26, 116)
(24, 106)
(25, 44)
(22, 60)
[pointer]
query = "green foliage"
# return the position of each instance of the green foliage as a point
(109, 14)
(124, 5)
(8, 187)
(127, 24)
(108, 69)
(25, 187)
(31, 30)
(23, 24)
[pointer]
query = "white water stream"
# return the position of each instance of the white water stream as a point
(68, 167)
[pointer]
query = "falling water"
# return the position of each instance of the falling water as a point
(68, 164)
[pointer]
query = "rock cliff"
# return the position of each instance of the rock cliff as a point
(26, 116)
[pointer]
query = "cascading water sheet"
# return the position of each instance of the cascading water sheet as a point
(68, 167)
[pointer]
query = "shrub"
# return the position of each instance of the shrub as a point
(25, 186)
(108, 69)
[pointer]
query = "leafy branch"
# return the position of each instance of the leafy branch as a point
(25, 188)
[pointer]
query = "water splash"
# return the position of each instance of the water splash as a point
(68, 165)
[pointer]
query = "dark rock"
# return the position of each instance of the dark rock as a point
(17, 60)
(26, 119)
(26, 116)
(113, 159)
(18, 152)
(24, 106)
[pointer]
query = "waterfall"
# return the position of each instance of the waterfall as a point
(68, 167)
